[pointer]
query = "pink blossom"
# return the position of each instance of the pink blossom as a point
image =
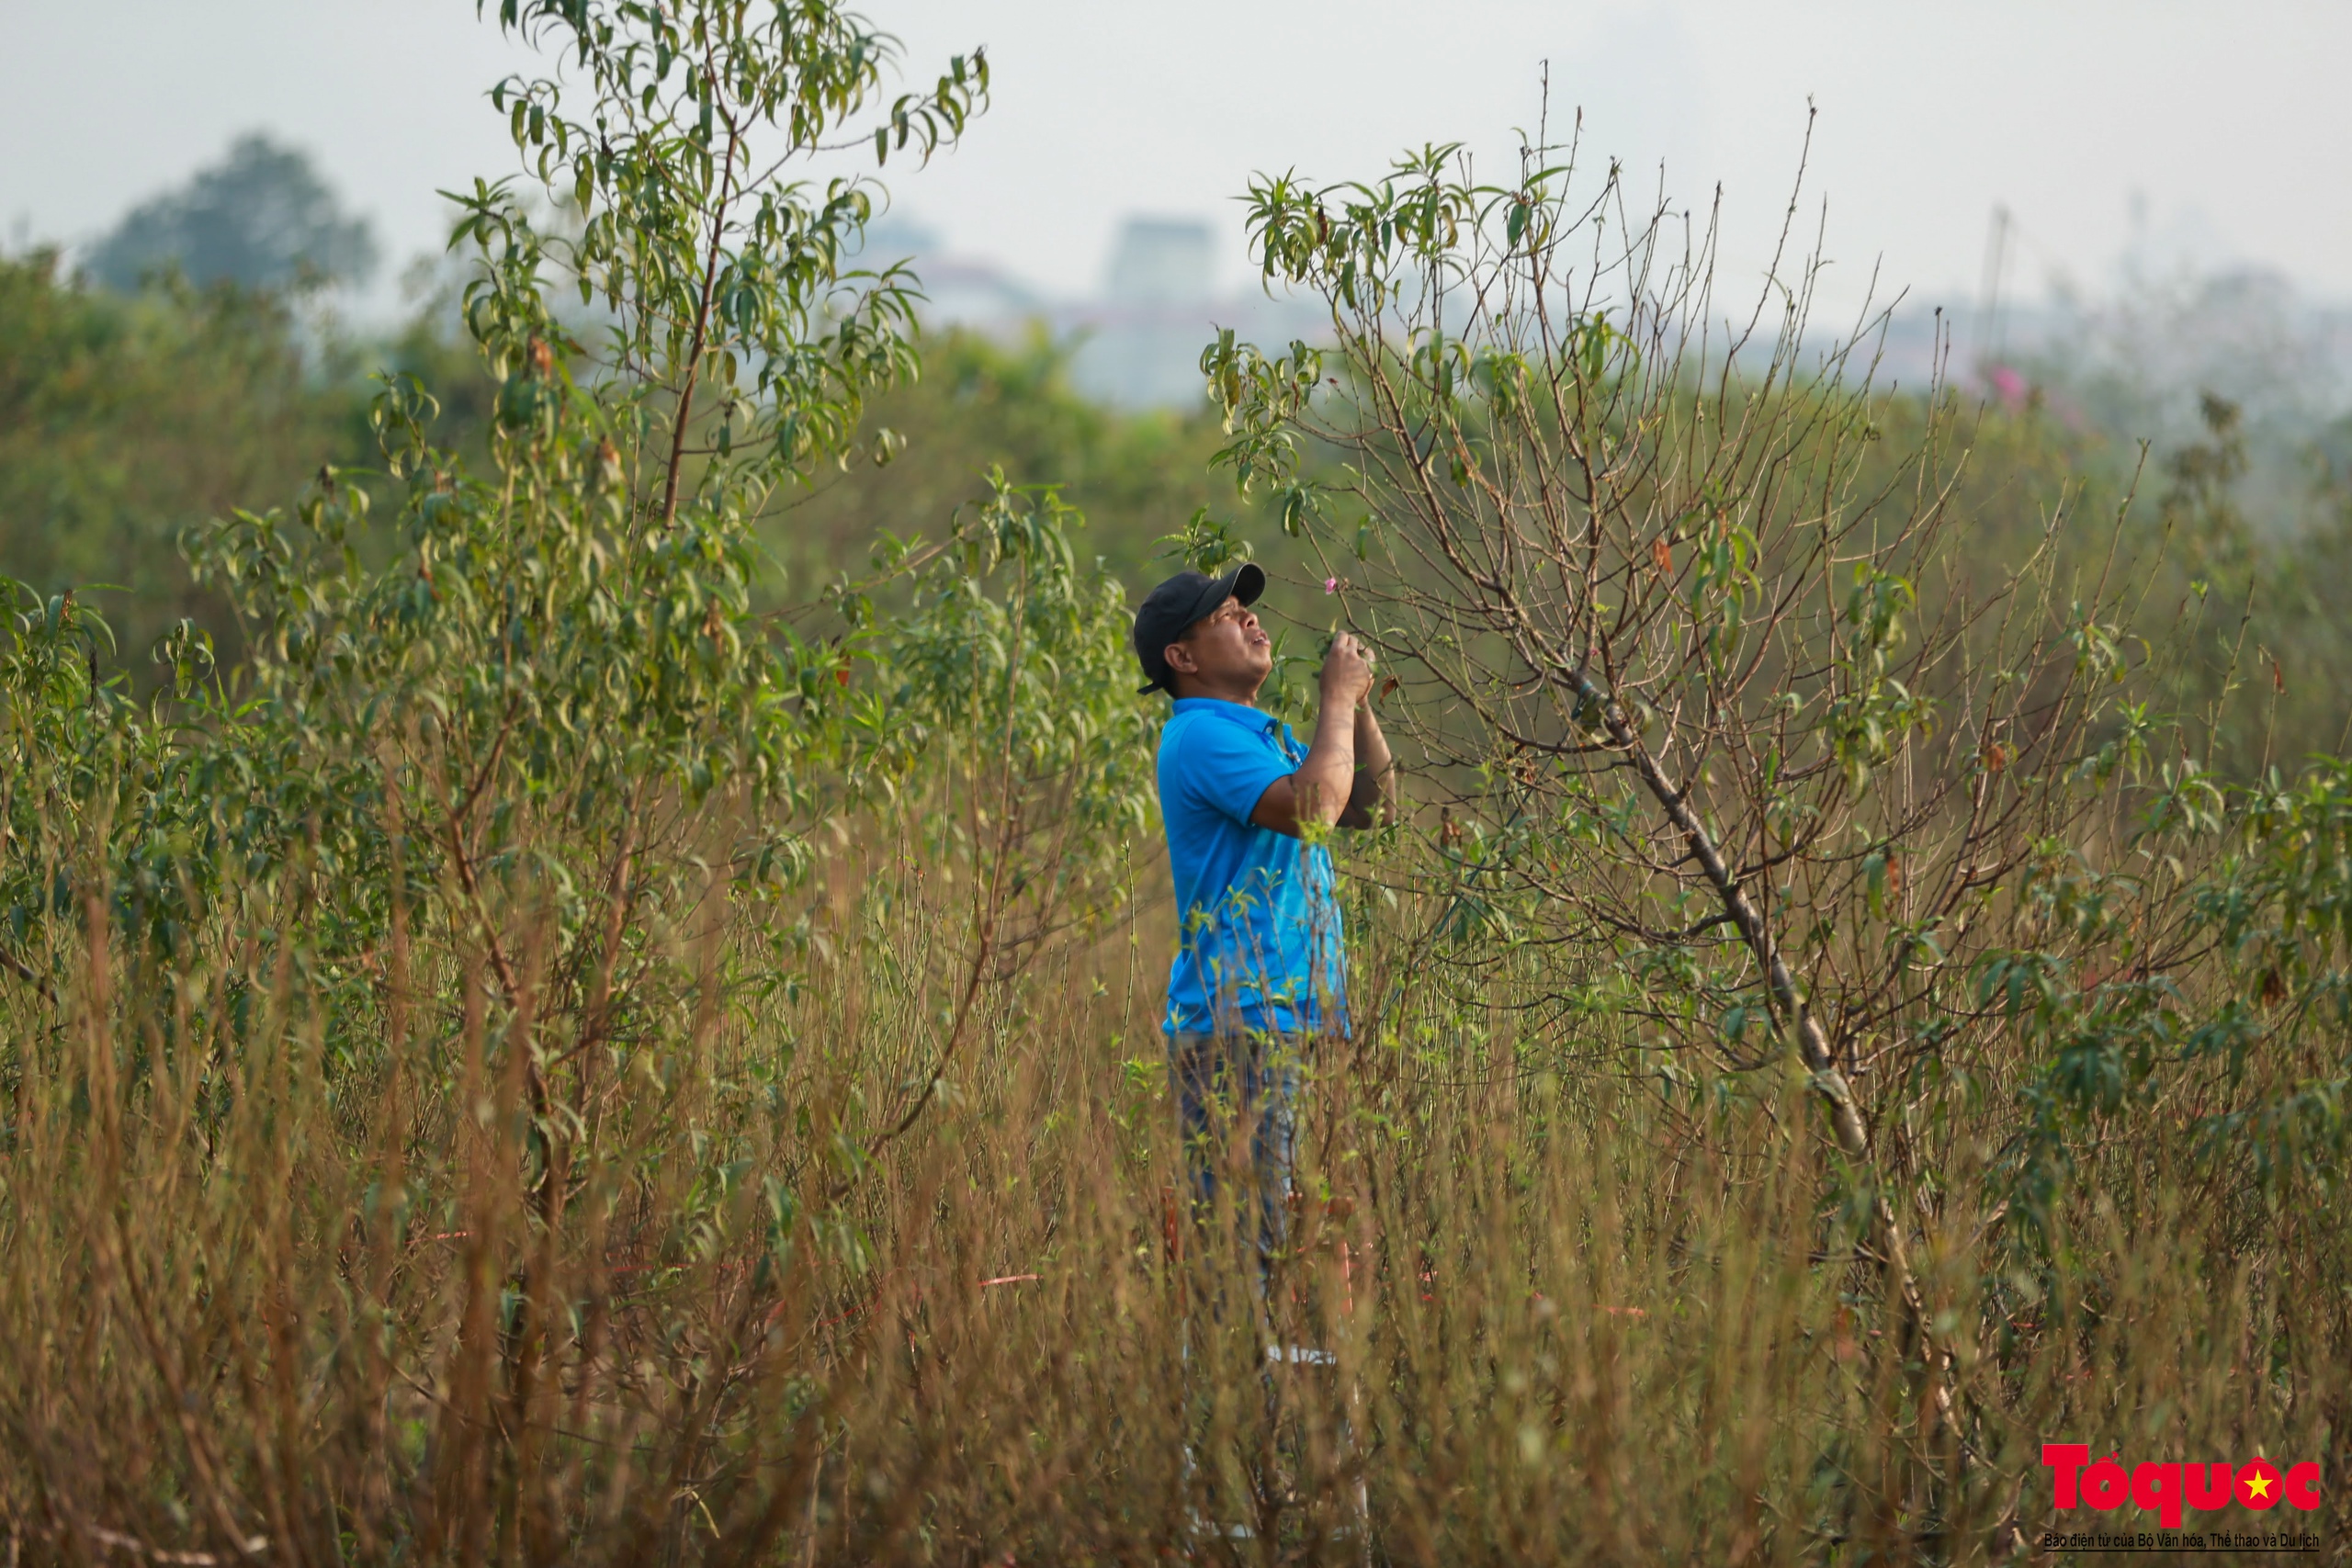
(1331, 585)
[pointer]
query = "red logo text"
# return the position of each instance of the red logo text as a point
(2167, 1489)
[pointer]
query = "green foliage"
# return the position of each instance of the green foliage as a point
(556, 1050)
(515, 698)
(1756, 731)
(557, 654)
(980, 405)
(2281, 911)
(719, 279)
(538, 695)
(56, 722)
(1012, 660)
(1662, 614)
(125, 421)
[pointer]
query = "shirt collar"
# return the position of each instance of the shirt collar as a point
(1242, 714)
(1257, 721)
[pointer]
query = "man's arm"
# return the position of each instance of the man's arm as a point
(1374, 794)
(1322, 790)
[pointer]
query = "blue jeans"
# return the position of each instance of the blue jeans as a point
(1226, 1083)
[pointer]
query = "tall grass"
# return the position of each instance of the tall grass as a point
(540, 1063)
(269, 1302)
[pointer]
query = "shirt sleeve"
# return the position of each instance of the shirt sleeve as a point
(1225, 768)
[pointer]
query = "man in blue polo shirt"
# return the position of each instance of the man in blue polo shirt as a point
(1261, 967)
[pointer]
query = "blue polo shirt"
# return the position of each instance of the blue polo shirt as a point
(1259, 943)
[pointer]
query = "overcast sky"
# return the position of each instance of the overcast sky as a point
(2229, 122)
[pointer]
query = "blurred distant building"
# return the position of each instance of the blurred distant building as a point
(1136, 345)
(962, 291)
(1162, 263)
(1141, 346)
(977, 294)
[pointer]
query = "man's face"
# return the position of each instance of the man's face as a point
(1224, 651)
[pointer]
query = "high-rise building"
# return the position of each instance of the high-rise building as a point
(1142, 346)
(1162, 262)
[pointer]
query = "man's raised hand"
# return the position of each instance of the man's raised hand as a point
(1347, 674)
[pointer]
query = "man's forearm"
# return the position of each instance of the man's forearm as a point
(1321, 791)
(1374, 770)
(1326, 781)
(1372, 795)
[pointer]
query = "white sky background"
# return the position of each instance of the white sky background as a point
(2230, 119)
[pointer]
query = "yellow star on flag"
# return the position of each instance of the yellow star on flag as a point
(2259, 1486)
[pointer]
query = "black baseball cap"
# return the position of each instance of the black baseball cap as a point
(1170, 610)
